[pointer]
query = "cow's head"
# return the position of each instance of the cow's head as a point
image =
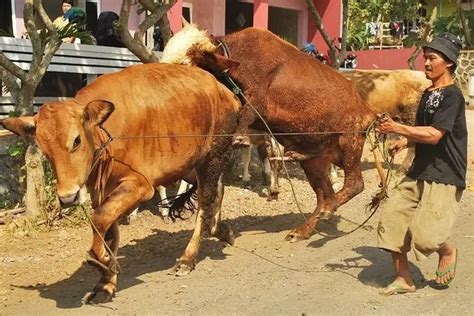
(64, 132)
(195, 47)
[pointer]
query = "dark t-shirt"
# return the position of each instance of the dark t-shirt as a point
(446, 161)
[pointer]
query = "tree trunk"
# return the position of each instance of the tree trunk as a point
(345, 22)
(465, 27)
(424, 35)
(34, 171)
(35, 180)
(24, 104)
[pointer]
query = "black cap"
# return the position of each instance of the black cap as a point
(68, 2)
(447, 44)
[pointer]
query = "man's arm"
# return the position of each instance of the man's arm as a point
(418, 134)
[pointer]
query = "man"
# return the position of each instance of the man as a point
(421, 211)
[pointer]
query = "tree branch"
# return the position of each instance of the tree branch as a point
(157, 13)
(165, 29)
(424, 36)
(465, 26)
(30, 25)
(135, 46)
(10, 67)
(324, 34)
(345, 22)
(50, 47)
(10, 82)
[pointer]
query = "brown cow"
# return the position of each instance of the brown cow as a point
(144, 100)
(396, 92)
(295, 94)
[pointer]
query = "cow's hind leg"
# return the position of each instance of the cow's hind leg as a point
(350, 154)
(105, 229)
(210, 194)
(316, 170)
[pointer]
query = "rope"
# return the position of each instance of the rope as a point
(376, 200)
(231, 135)
(111, 254)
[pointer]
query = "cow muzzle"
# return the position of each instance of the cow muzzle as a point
(72, 199)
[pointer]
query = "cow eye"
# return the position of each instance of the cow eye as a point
(77, 142)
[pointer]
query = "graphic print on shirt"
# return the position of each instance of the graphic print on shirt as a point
(433, 101)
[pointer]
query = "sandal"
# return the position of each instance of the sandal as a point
(450, 268)
(396, 287)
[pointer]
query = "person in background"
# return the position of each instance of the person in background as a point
(61, 21)
(421, 211)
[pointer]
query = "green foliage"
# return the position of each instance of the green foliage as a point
(452, 24)
(16, 149)
(365, 11)
(69, 30)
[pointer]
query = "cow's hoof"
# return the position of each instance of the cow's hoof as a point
(241, 141)
(246, 183)
(125, 220)
(295, 236)
(273, 196)
(99, 296)
(167, 219)
(182, 267)
(224, 233)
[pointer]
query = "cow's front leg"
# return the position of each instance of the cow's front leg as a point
(105, 242)
(207, 221)
(210, 195)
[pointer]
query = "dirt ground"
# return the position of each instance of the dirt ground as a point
(45, 273)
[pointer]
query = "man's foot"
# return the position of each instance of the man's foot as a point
(446, 269)
(399, 286)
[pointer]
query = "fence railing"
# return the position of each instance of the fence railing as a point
(88, 60)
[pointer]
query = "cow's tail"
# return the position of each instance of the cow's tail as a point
(182, 203)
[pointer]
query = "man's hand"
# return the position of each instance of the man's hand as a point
(385, 124)
(397, 145)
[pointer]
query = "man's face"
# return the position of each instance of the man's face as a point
(66, 6)
(435, 65)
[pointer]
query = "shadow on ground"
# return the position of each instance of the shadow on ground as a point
(374, 264)
(158, 252)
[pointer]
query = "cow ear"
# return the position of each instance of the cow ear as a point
(23, 126)
(210, 61)
(224, 63)
(98, 111)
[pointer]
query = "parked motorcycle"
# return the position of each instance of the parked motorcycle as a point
(310, 49)
(350, 62)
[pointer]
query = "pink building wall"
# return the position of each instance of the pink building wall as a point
(261, 20)
(260, 13)
(331, 16)
(387, 59)
(208, 14)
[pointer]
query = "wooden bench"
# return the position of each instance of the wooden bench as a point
(88, 60)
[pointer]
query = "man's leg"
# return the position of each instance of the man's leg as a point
(403, 278)
(447, 263)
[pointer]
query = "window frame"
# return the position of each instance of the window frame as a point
(190, 7)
